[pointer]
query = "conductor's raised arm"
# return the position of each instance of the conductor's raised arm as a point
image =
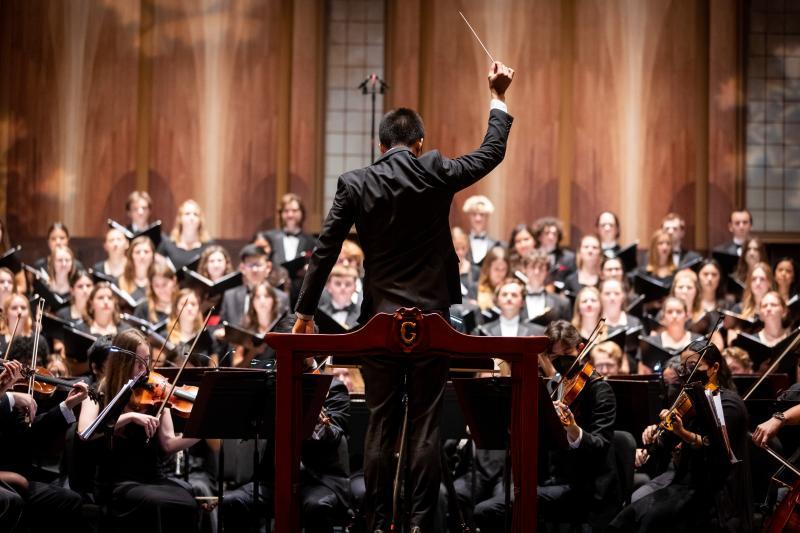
(463, 171)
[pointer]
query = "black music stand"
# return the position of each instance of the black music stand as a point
(233, 404)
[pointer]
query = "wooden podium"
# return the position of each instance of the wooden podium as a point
(405, 333)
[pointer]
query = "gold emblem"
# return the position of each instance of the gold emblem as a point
(408, 332)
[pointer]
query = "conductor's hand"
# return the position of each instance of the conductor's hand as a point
(303, 326)
(500, 77)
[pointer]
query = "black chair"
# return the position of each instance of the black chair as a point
(625, 456)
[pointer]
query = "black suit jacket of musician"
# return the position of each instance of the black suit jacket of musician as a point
(400, 206)
(275, 236)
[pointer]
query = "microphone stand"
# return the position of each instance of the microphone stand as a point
(373, 85)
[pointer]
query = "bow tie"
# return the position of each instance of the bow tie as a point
(540, 293)
(291, 234)
(345, 309)
(481, 237)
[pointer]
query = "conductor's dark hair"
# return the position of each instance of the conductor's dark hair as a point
(563, 332)
(401, 126)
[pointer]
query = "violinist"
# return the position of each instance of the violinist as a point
(706, 492)
(47, 506)
(580, 483)
(141, 499)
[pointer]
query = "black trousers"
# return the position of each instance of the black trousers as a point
(384, 383)
(11, 505)
(162, 506)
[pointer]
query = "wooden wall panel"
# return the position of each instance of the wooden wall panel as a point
(614, 101)
(68, 71)
(637, 113)
(214, 126)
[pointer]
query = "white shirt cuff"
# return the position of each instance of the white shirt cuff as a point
(577, 442)
(69, 416)
(497, 104)
(10, 401)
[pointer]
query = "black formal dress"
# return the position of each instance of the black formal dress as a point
(178, 256)
(400, 206)
(707, 492)
(562, 263)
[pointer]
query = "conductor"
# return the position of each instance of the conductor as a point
(400, 206)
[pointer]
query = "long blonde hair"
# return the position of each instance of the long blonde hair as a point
(652, 255)
(128, 280)
(177, 229)
(749, 304)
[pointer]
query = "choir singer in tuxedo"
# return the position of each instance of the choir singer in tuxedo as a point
(400, 206)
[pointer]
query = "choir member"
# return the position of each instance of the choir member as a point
(255, 267)
(785, 277)
(520, 244)
(478, 209)
(739, 225)
(189, 236)
(548, 232)
(137, 207)
(675, 226)
(140, 258)
(586, 313)
(705, 492)
(753, 252)
(711, 295)
(215, 262)
(260, 318)
(607, 227)
(759, 282)
(80, 289)
(535, 266)
(675, 336)
(353, 256)
(686, 286)
(494, 270)
(161, 291)
(612, 268)
(289, 240)
(468, 271)
(57, 235)
(659, 257)
(588, 263)
(773, 312)
(510, 323)
(608, 360)
(18, 309)
(189, 325)
(8, 284)
(115, 246)
(612, 300)
(102, 311)
(340, 289)
(60, 266)
(142, 499)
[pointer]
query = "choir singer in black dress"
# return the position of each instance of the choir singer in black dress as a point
(400, 207)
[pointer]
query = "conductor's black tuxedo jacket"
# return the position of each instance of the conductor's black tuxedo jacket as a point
(400, 207)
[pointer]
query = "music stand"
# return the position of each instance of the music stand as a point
(233, 404)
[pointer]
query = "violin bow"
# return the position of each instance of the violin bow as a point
(11, 341)
(183, 365)
(589, 344)
(789, 349)
(171, 329)
(36, 334)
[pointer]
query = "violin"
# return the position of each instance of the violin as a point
(154, 391)
(45, 383)
(683, 408)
